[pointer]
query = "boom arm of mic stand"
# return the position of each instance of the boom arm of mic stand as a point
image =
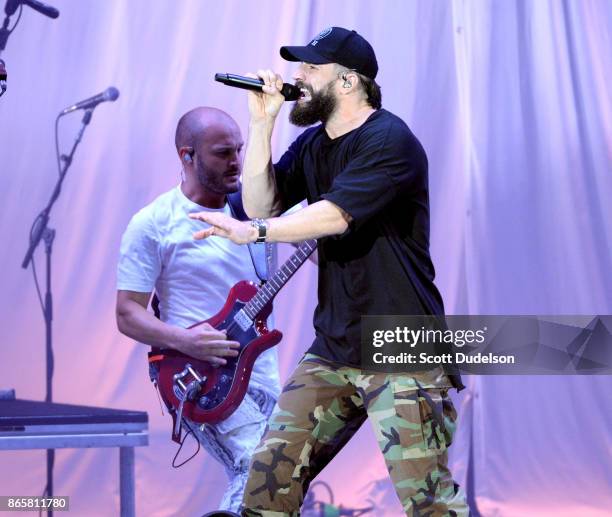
(39, 230)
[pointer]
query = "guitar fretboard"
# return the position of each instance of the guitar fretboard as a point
(268, 291)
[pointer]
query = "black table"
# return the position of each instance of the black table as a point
(27, 424)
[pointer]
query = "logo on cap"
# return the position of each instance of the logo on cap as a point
(323, 34)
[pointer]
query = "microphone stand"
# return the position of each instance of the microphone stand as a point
(5, 33)
(41, 231)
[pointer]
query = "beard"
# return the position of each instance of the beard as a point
(215, 182)
(318, 109)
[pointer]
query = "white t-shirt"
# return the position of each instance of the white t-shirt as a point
(192, 278)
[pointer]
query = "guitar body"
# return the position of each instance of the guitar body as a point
(217, 391)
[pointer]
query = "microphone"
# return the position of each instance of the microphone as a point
(3, 76)
(289, 91)
(110, 94)
(48, 10)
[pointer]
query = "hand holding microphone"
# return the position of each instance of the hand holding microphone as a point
(288, 91)
(273, 92)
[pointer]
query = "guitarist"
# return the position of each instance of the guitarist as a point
(364, 175)
(192, 279)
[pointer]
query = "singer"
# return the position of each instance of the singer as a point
(364, 175)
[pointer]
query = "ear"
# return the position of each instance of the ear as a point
(186, 154)
(349, 81)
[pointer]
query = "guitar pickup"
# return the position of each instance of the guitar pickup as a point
(243, 321)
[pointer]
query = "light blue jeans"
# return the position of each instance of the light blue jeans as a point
(233, 441)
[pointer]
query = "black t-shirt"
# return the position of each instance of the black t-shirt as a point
(377, 173)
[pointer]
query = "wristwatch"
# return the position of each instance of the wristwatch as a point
(262, 229)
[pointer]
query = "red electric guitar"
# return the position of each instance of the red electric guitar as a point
(195, 389)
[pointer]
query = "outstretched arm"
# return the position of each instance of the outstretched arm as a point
(320, 219)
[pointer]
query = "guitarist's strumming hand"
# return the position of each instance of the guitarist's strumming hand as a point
(208, 344)
(222, 225)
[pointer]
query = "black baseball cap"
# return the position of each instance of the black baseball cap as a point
(336, 45)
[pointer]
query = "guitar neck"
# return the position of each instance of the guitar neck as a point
(266, 293)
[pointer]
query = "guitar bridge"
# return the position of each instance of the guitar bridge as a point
(186, 392)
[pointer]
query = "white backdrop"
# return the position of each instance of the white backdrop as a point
(510, 99)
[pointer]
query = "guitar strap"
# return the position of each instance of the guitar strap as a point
(259, 254)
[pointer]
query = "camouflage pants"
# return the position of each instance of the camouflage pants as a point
(322, 406)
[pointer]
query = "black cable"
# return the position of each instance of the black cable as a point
(42, 305)
(40, 299)
(59, 171)
(181, 447)
(57, 152)
(59, 168)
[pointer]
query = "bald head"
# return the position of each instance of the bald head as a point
(209, 144)
(192, 126)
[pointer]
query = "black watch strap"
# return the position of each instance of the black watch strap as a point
(262, 229)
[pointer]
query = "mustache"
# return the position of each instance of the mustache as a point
(301, 84)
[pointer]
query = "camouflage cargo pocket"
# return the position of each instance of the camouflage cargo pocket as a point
(425, 419)
(438, 418)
